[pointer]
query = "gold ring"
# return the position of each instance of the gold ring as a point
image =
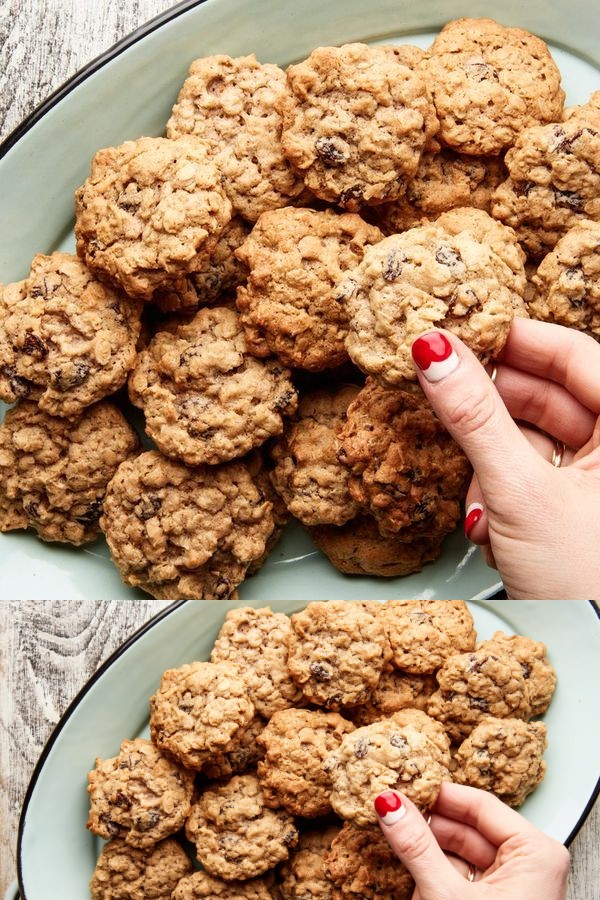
(494, 374)
(428, 818)
(557, 453)
(472, 872)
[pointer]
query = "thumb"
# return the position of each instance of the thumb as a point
(470, 407)
(411, 839)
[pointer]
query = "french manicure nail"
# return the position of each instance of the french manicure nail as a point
(472, 517)
(434, 355)
(389, 807)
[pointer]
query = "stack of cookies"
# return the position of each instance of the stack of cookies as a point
(270, 755)
(257, 278)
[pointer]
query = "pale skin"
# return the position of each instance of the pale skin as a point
(540, 523)
(513, 859)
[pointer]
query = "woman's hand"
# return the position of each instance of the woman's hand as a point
(512, 860)
(540, 522)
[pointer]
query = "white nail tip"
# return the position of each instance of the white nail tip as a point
(435, 371)
(392, 817)
(472, 507)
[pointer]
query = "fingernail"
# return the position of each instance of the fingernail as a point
(472, 517)
(434, 355)
(389, 807)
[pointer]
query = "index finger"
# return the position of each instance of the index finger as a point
(491, 817)
(560, 354)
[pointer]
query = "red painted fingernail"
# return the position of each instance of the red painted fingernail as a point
(434, 355)
(389, 808)
(472, 517)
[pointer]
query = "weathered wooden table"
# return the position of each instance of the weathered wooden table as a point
(49, 650)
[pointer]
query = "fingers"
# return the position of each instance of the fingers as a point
(463, 840)
(485, 813)
(563, 355)
(411, 838)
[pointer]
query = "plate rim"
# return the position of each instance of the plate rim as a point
(108, 662)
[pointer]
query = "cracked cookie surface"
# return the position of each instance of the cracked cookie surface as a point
(201, 885)
(243, 756)
(539, 675)
(303, 876)
(395, 691)
(127, 873)
(361, 865)
(424, 633)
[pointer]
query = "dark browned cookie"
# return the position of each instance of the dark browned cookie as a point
(362, 866)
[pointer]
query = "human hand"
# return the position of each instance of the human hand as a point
(540, 521)
(512, 859)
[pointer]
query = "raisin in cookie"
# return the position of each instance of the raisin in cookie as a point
(140, 795)
(182, 533)
(127, 873)
(406, 470)
(199, 710)
(356, 123)
(431, 728)
(503, 756)
(567, 281)
(424, 633)
(205, 399)
(303, 876)
(396, 691)
(489, 82)
(361, 865)
(337, 652)
(380, 756)
(297, 742)
(475, 685)
(290, 305)
(359, 548)
(151, 211)
(255, 641)
(66, 339)
(537, 671)
(244, 755)
(431, 277)
(233, 106)
(200, 885)
(54, 472)
(236, 835)
(308, 474)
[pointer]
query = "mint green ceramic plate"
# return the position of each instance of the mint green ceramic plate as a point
(129, 92)
(56, 855)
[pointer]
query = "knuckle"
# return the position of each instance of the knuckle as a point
(472, 413)
(414, 845)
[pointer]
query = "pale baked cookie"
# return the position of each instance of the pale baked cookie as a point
(554, 180)
(126, 873)
(424, 633)
(308, 474)
(475, 685)
(357, 122)
(205, 399)
(151, 211)
(233, 106)
(361, 865)
(431, 277)
(255, 641)
(200, 885)
(66, 339)
(537, 671)
(139, 795)
(489, 82)
(337, 652)
(182, 533)
(378, 757)
(503, 756)
(443, 181)
(236, 835)
(567, 281)
(431, 728)
(291, 305)
(220, 274)
(359, 548)
(303, 876)
(406, 470)
(396, 691)
(54, 472)
(297, 742)
(199, 710)
(244, 756)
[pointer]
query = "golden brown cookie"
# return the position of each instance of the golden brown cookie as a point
(139, 795)
(356, 123)
(244, 755)
(183, 533)
(537, 671)
(362, 866)
(151, 211)
(424, 633)
(127, 873)
(290, 305)
(232, 104)
(489, 82)
(396, 691)
(54, 472)
(66, 339)
(303, 876)
(431, 728)
(200, 885)
(205, 399)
